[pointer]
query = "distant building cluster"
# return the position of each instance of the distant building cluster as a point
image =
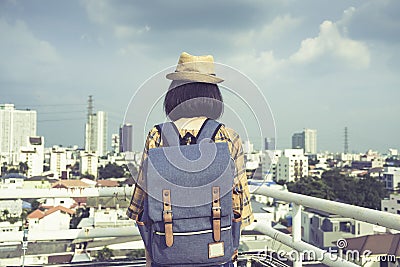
(29, 166)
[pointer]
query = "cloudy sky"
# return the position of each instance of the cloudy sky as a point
(320, 64)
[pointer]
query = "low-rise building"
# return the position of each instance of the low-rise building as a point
(12, 181)
(70, 184)
(374, 250)
(54, 219)
(65, 202)
(391, 177)
(38, 182)
(391, 204)
(325, 228)
(10, 227)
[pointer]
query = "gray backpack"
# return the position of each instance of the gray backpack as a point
(188, 218)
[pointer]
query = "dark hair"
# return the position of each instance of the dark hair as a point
(193, 99)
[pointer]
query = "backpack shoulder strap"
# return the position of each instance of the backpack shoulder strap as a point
(169, 133)
(208, 130)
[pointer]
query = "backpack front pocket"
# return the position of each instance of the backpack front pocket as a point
(193, 244)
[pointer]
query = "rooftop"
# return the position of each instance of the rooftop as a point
(378, 244)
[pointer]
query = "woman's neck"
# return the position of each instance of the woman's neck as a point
(190, 123)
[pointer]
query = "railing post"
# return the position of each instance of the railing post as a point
(296, 231)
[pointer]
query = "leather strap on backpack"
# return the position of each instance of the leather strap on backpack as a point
(216, 213)
(167, 217)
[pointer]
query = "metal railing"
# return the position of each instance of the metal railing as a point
(293, 241)
(298, 201)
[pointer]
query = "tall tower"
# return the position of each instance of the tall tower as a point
(89, 127)
(346, 140)
(298, 140)
(126, 138)
(269, 143)
(310, 141)
(16, 126)
(96, 131)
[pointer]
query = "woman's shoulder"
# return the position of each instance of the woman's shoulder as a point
(224, 134)
(227, 133)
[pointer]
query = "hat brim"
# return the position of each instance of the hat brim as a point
(193, 77)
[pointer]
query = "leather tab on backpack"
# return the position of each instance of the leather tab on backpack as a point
(167, 217)
(216, 213)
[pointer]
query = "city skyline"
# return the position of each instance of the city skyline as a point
(320, 68)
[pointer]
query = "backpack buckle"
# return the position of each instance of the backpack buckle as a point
(167, 212)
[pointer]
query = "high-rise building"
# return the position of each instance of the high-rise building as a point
(33, 155)
(96, 133)
(58, 161)
(298, 140)
(15, 128)
(126, 138)
(310, 141)
(306, 140)
(269, 143)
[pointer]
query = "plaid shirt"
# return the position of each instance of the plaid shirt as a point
(240, 202)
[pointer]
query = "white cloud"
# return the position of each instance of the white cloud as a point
(259, 65)
(127, 32)
(97, 10)
(272, 31)
(331, 42)
(24, 56)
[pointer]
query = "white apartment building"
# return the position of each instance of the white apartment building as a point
(96, 133)
(269, 163)
(310, 141)
(292, 165)
(15, 128)
(392, 204)
(33, 155)
(391, 177)
(248, 147)
(58, 161)
(13, 206)
(88, 164)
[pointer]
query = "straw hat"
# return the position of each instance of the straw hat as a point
(195, 69)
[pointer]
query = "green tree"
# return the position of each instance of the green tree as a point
(23, 167)
(5, 215)
(88, 176)
(365, 192)
(311, 186)
(111, 170)
(135, 254)
(104, 254)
